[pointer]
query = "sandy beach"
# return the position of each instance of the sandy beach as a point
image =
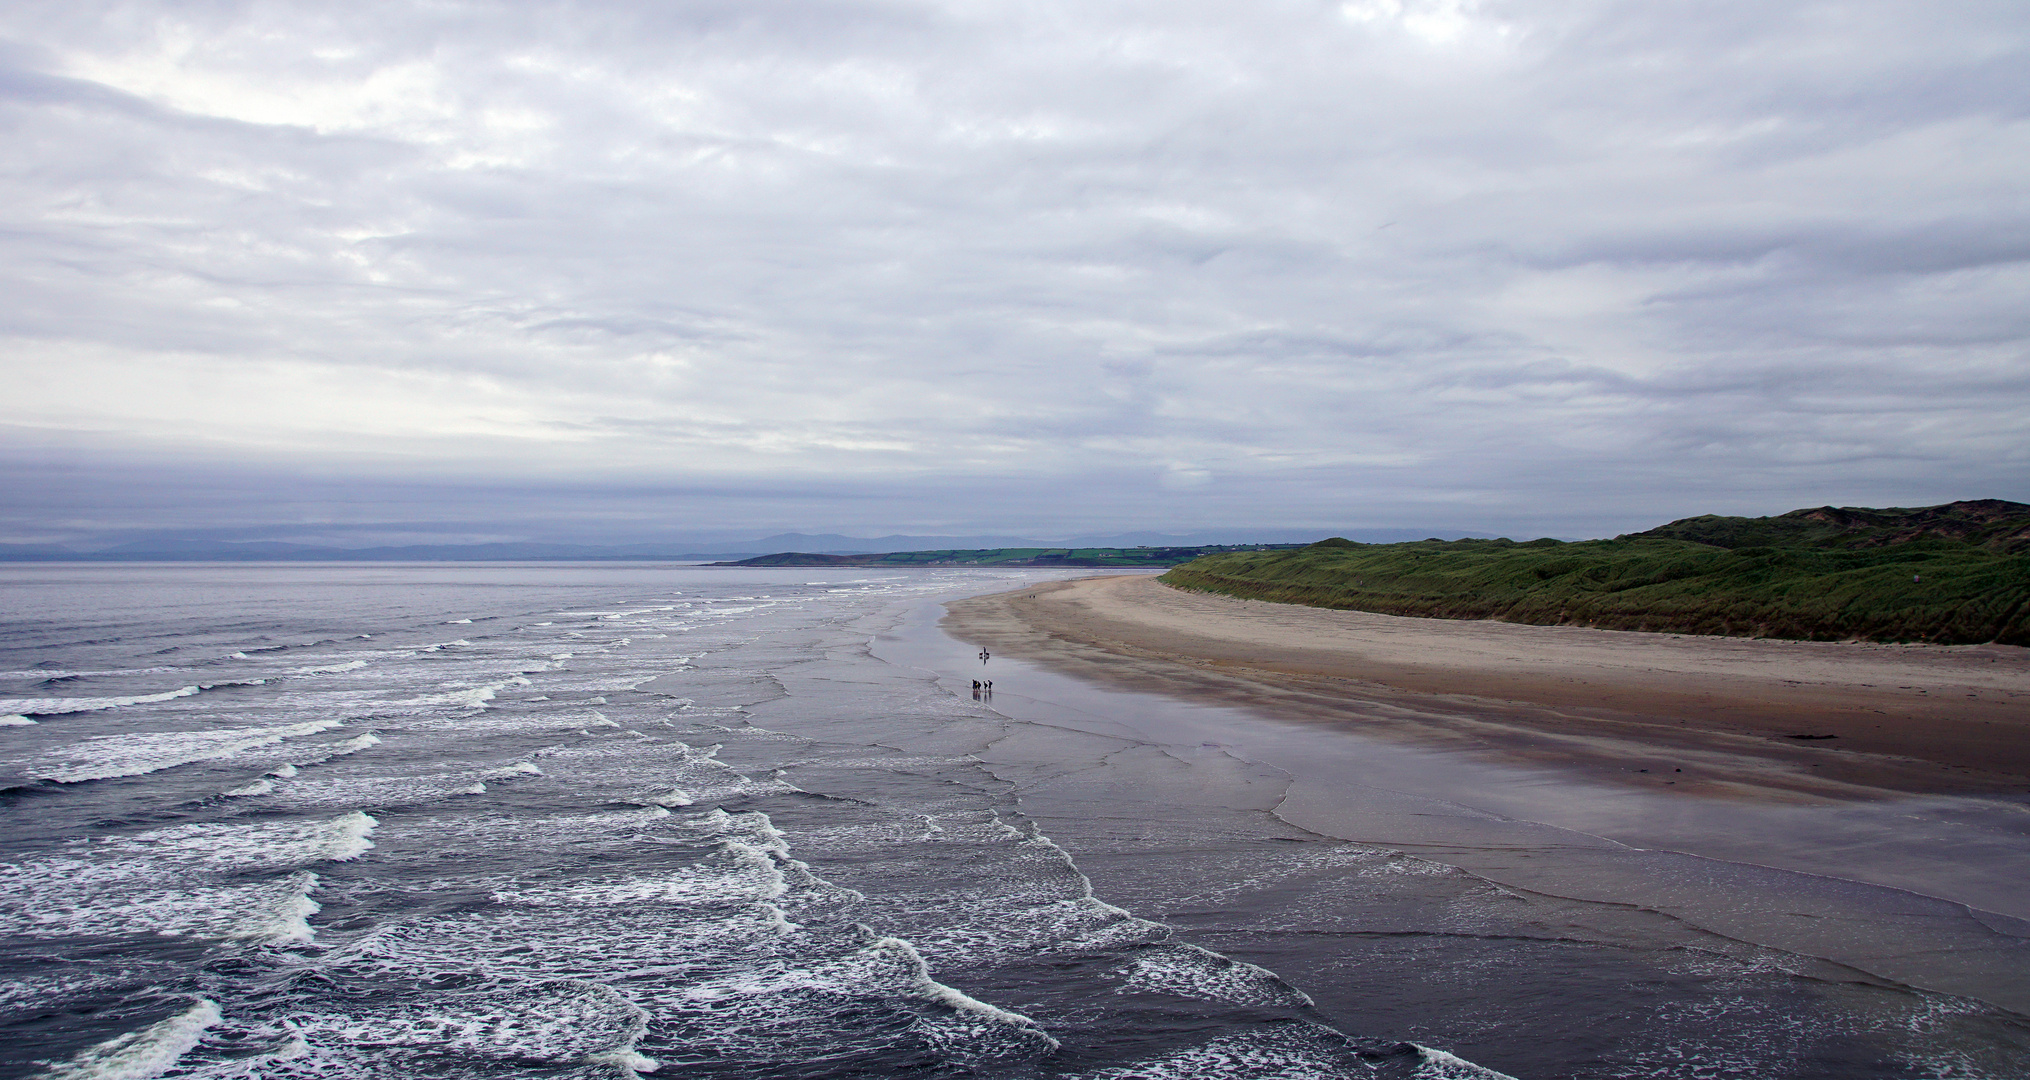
(1719, 716)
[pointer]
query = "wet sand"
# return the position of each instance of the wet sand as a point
(1645, 774)
(1719, 716)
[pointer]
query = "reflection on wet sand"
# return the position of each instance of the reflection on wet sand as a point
(1748, 841)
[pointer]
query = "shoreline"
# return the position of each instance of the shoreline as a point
(1890, 868)
(1722, 717)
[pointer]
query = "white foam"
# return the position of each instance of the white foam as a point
(619, 827)
(758, 881)
(338, 749)
(932, 990)
(70, 897)
(1305, 1053)
(475, 697)
(349, 835)
(59, 706)
(285, 919)
(593, 682)
(106, 757)
(351, 789)
(258, 787)
(219, 847)
(55, 673)
(143, 1054)
(627, 1061)
(774, 917)
(330, 669)
(973, 1033)
(1189, 971)
(496, 724)
(14, 721)
(562, 1022)
(1443, 1065)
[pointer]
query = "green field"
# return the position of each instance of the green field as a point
(1957, 574)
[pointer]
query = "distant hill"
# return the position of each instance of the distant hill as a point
(1024, 556)
(1988, 523)
(1953, 574)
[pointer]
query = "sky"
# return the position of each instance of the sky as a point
(592, 271)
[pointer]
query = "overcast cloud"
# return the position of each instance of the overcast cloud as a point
(585, 270)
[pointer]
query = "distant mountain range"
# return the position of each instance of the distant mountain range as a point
(1141, 556)
(205, 550)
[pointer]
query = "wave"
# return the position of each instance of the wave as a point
(75, 897)
(559, 1023)
(408, 789)
(751, 866)
(1305, 1050)
(968, 1032)
(329, 669)
(140, 1055)
(218, 848)
(52, 674)
(469, 724)
(106, 757)
(1187, 970)
(1444, 1065)
(184, 881)
(60, 706)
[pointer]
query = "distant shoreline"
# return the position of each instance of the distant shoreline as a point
(1718, 716)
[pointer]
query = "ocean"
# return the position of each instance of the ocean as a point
(613, 820)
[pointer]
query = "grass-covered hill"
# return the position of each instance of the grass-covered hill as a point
(1952, 574)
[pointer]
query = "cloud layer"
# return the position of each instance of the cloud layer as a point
(577, 268)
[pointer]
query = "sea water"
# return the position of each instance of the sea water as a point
(614, 820)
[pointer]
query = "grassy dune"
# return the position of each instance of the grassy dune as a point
(1871, 581)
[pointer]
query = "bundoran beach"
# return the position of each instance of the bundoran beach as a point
(600, 821)
(1918, 718)
(1860, 804)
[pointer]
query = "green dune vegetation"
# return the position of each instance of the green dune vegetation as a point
(1952, 574)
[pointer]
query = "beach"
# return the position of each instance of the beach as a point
(1716, 716)
(1634, 774)
(601, 820)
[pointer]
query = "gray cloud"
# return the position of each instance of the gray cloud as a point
(546, 269)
